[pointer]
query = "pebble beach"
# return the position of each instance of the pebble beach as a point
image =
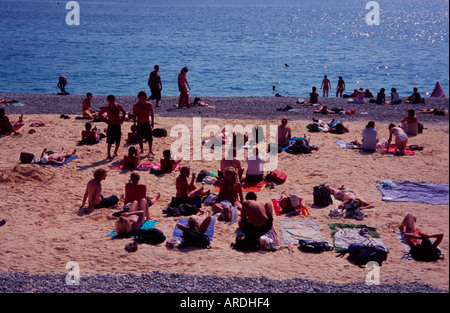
(40, 202)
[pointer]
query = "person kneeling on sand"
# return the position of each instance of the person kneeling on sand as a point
(348, 196)
(256, 220)
(401, 139)
(94, 195)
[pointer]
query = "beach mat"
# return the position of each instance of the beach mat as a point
(391, 150)
(293, 231)
(421, 192)
(277, 208)
(147, 225)
(68, 159)
(209, 232)
(346, 234)
(247, 187)
(145, 166)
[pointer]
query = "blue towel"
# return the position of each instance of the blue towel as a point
(422, 192)
(147, 225)
(209, 232)
(68, 159)
(291, 141)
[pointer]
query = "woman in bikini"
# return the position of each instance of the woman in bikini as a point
(132, 220)
(414, 235)
(230, 190)
(401, 139)
(55, 158)
(348, 196)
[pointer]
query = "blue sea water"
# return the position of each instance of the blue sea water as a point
(231, 47)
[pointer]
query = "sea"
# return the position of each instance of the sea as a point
(231, 48)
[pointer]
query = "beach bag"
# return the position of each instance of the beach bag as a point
(352, 210)
(363, 254)
(159, 132)
(314, 127)
(322, 196)
(194, 238)
(426, 252)
(151, 236)
(244, 244)
(276, 176)
(26, 158)
(314, 246)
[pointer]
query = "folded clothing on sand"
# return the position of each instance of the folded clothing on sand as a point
(422, 192)
(346, 234)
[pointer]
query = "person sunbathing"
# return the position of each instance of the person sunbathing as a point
(290, 204)
(135, 191)
(337, 127)
(6, 126)
(129, 222)
(324, 110)
(301, 145)
(55, 158)
(415, 236)
(90, 135)
(230, 190)
(198, 222)
(433, 111)
(187, 192)
(132, 160)
(347, 196)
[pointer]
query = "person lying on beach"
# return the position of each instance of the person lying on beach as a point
(90, 135)
(86, 107)
(401, 139)
(337, 127)
(230, 161)
(130, 222)
(198, 222)
(433, 111)
(187, 192)
(324, 110)
(132, 160)
(290, 204)
(348, 196)
(284, 133)
(416, 237)
(256, 218)
(55, 158)
(6, 126)
(301, 145)
(230, 190)
(135, 191)
(93, 193)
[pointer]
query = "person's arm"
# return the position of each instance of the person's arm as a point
(240, 193)
(84, 197)
(152, 116)
(134, 114)
(123, 113)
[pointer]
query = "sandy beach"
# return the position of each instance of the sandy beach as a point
(45, 228)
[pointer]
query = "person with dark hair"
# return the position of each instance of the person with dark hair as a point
(256, 218)
(418, 239)
(132, 160)
(401, 139)
(154, 82)
(93, 193)
(187, 192)
(369, 137)
(90, 135)
(381, 97)
(395, 97)
(326, 85)
(410, 123)
(114, 121)
(86, 107)
(182, 84)
(313, 96)
(62, 82)
(415, 98)
(6, 126)
(340, 87)
(143, 111)
(284, 133)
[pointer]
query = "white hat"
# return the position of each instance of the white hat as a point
(44, 159)
(294, 200)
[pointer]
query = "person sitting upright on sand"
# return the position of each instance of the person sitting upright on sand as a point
(6, 126)
(230, 190)
(135, 191)
(284, 133)
(132, 160)
(93, 193)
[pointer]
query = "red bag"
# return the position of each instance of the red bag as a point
(276, 176)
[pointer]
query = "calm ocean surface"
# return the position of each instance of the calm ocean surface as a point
(231, 47)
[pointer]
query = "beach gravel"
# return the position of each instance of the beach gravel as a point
(160, 282)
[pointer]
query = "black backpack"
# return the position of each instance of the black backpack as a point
(244, 243)
(159, 132)
(151, 236)
(363, 254)
(194, 238)
(26, 158)
(314, 246)
(426, 252)
(322, 196)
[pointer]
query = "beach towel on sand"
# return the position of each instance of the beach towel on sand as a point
(294, 231)
(421, 192)
(391, 150)
(346, 234)
(145, 167)
(68, 159)
(277, 208)
(147, 225)
(247, 187)
(209, 232)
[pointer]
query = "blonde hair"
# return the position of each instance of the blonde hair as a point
(123, 227)
(232, 171)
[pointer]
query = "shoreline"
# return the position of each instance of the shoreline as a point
(231, 107)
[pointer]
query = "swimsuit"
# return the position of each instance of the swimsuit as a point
(402, 137)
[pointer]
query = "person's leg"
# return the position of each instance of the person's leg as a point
(109, 150)
(116, 148)
(203, 227)
(143, 206)
(408, 224)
